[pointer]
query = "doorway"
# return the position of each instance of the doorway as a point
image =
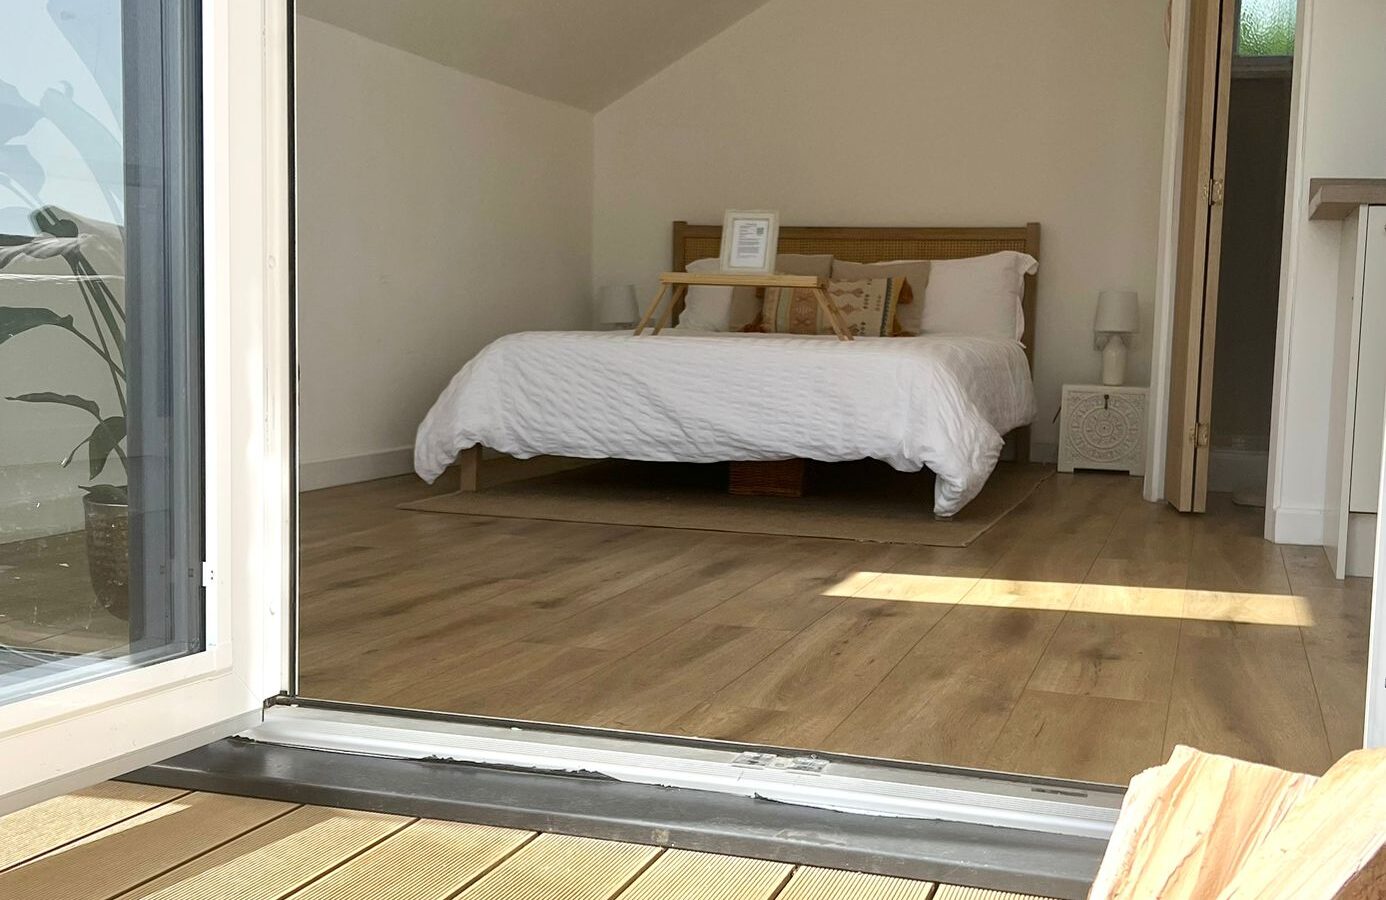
(1236, 139)
(1258, 131)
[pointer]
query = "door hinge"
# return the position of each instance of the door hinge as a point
(209, 575)
(1199, 434)
(1214, 190)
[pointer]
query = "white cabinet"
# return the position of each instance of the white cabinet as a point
(1102, 427)
(1359, 393)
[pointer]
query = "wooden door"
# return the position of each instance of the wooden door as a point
(1204, 164)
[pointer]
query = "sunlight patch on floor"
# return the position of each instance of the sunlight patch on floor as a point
(1107, 599)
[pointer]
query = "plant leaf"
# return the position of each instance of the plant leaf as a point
(17, 115)
(63, 399)
(19, 319)
(72, 454)
(54, 221)
(104, 437)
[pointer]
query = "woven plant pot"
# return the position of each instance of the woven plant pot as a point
(108, 554)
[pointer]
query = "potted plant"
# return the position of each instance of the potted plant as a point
(106, 503)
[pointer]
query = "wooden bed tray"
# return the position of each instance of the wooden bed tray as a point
(853, 244)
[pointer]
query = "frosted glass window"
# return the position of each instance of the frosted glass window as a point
(1266, 28)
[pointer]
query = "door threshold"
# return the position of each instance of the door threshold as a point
(1004, 859)
(845, 784)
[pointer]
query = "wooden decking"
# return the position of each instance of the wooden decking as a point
(127, 842)
(1083, 637)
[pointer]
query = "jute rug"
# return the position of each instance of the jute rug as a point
(859, 501)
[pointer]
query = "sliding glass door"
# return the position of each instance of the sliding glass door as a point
(126, 473)
(100, 321)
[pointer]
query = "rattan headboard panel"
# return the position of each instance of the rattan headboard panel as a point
(868, 245)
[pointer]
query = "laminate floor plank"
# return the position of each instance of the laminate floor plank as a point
(817, 677)
(498, 680)
(1099, 654)
(1108, 739)
(644, 613)
(1336, 635)
(1250, 695)
(671, 676)
(797, 597)
(951, 695)
(127, 854)
(38, 829)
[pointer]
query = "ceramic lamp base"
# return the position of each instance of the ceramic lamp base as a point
(1114, 361)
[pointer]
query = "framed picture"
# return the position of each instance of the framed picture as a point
(749, 238)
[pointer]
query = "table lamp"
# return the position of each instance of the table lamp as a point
(616, 306)
(1118, 315)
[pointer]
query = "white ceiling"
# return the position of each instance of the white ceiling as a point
(585, 53)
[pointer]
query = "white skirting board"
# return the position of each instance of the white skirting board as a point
(1296, 525)
(352, 469)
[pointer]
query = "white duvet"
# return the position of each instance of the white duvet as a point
(941, 401)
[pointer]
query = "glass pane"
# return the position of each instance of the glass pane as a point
(1266, 28)
(100, 312)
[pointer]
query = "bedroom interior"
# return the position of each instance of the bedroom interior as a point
(934, 542)
(619, 447)
(1057, 624)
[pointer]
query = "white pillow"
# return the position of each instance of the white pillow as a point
(716, 308)
(978, 295)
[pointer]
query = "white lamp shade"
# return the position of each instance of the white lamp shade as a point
(1117, 313)
(616, 305)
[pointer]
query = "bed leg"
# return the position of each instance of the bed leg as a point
(1022, 444)
(468, 468)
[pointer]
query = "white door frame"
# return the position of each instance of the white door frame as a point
(1166, 253)
(60, 740)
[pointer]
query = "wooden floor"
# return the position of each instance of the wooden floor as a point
(130, 841)
(1082, 637)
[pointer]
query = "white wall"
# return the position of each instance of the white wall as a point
(912, 112)
(437, 211)
(1338, 131)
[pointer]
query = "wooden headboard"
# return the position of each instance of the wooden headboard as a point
(868, 245)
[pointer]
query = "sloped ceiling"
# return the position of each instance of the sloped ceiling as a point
(585, 53)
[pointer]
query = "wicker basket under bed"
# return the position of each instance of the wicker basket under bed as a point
(776, 478)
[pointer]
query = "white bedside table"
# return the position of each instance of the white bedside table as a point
(1102, 427)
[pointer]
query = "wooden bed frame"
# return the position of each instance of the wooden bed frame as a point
(854, 244)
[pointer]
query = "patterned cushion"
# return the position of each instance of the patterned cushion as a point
(869, 307)
(916, 271)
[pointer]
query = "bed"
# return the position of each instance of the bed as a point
(939, 401)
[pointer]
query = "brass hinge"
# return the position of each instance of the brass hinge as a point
(1213, 191)
(1199, 434)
